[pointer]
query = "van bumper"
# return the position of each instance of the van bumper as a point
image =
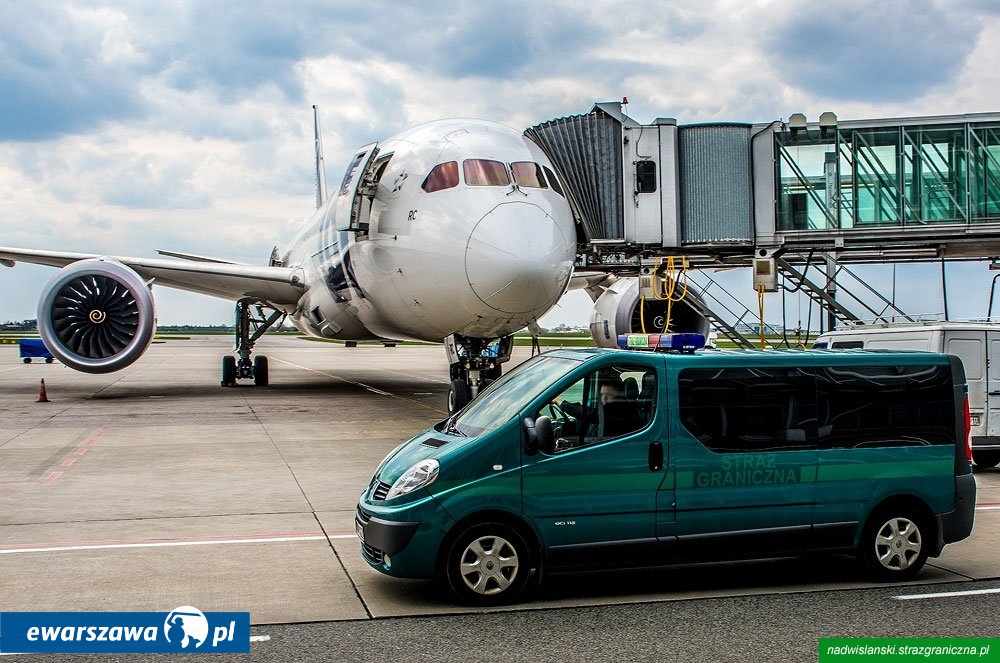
(401, 549)
(985, 442)
(957, 523)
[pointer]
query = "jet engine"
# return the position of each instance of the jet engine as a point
(617, 311)
(96, 315)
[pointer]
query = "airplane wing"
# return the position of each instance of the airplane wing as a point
(279, 286)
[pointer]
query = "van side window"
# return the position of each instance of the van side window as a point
(608, 403)
(847, 345)
(749, 409)
(885, 406)
(842, 407)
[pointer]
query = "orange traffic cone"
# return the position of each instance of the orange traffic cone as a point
(42, 398)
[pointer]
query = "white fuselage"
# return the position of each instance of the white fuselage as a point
(482, 261)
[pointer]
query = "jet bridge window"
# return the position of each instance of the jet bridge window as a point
(528, 174)
(442, 176)
(485, 172)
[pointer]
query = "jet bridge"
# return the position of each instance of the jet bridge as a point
(779, 196)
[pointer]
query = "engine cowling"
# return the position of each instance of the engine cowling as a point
(616, 311)
(96, 315)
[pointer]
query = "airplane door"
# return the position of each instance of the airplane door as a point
(352, 198)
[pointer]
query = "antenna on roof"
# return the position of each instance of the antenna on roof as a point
(320, 166)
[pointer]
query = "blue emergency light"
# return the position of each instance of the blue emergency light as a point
(662, 342)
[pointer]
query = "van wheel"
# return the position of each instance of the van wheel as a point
(986, 459)
(488, 564)
(893, 545)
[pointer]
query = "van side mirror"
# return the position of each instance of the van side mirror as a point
(543, 434)
(530, 436)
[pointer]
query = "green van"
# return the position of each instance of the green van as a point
(590, 459)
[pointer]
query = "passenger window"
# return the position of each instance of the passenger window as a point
(606, 404)
(847, 345)
(553, 181)
(749, 409)
(485, 172)
(442, 176)
(885, 406)
(529, 174)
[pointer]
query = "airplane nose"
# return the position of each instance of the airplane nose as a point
(519, 258)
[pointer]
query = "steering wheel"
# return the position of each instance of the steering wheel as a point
(558, 413)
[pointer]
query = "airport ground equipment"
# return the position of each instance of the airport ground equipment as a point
(788, 195)
(34, 348)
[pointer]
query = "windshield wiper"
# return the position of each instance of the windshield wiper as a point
(449, 427)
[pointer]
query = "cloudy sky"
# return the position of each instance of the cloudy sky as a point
(127, 127)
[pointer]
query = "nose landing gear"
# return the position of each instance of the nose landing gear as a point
(474, 363)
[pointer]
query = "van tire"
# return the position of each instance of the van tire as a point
(894, 544)
(985, 459)
(502, 554)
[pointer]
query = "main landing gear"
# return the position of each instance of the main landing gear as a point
(474, 363)
(248, 330)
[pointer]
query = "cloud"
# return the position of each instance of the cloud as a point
(65, 69)
(870, 51)
(186, 125)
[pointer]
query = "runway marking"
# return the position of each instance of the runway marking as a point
(941, 595)
(68, 462)
(64, 546)
(988, 508)
(360, 384)
(52, 477)
(4, 370)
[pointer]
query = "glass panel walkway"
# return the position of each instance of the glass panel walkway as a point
(888, 176)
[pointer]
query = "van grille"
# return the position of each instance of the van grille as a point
(371, 554)
(379, 490)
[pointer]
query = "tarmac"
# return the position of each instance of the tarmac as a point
(154, 487)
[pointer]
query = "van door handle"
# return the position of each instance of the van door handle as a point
(655, 456)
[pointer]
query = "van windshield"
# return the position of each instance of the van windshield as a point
(506, 397)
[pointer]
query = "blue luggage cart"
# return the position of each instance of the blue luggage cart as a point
(32, 348)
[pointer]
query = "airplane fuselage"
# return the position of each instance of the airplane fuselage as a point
(482, 247)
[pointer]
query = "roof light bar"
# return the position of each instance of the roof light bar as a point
(662, 342)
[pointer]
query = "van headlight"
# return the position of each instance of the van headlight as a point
(422, 474)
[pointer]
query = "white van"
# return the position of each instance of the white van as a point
(977, 344)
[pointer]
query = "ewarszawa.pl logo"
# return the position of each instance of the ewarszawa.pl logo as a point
(183, 629)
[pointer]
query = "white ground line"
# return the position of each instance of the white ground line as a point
(162, 544)
(988, 508)
(259, 638)
(944, 595)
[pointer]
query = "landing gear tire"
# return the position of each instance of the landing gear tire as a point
(986, 459)
(229, 371)
(894, 544)
(488, 564)
(260, 371)
(458, 396)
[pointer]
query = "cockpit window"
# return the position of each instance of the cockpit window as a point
(553, 181)
(528, 173)
(442, 176)
(484, 172)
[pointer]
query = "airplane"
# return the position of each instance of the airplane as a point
(456, 231)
